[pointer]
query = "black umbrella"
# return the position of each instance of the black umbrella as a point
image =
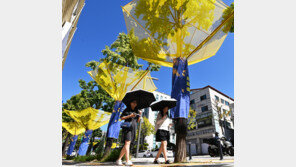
(159, 105)
(143, 98)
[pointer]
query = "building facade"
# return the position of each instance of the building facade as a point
(152, 115)
(232, 112)
(71, 10)
(206, 102)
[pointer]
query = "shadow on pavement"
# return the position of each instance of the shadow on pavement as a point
(216, 165)
(65, 162)
(72, 163)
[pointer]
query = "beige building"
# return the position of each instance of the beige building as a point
(204, 101)
(71, 10)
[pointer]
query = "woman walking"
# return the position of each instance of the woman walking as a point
(162, 126)
(131, 116)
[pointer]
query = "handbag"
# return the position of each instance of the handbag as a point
(126, 125)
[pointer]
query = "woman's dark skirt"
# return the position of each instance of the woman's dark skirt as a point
(129, 134)
(162, 135)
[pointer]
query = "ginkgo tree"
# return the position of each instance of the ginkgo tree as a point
(177, 33)
(116, 80)
(90, 119)
(120, 55)
(91, 95)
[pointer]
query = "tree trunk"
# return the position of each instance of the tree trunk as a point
(90, 146)
(113, 127)
(84, 143)
(63, 136)
(65, 144)
(180, 92)
(107, 147)
(72, 145)
(222, 126)
(225, 129)
(181, 131)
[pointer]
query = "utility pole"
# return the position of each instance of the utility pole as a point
(139, 137)
(189, 144)
(224, 124)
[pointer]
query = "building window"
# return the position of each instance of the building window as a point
(203, 97)
(217, 98)
(192, 104)
(204, 108)
(204, 123)
(222, 101)
(227, 103)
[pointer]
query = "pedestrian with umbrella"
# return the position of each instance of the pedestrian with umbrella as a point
(135, 101)
(163, 125)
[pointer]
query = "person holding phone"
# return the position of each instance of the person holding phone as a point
(130, 115)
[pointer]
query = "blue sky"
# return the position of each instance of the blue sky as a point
(98, 26)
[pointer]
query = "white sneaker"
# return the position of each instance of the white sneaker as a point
(119, 162)
(129, 163)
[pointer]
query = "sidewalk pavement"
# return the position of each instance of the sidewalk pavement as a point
(199, 161)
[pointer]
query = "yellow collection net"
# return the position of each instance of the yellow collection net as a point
(116, 79)
(73, 127)
(162, 30)
(90, 118)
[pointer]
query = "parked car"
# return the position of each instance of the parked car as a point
(169, 153)
(144, 154)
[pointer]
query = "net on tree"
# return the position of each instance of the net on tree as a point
(116, 79)
(73, 127)
(163, 30)
(89, 118)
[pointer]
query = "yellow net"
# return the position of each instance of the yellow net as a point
(90, 118)
(113, 145)
(73, 127)
(162, 30)
(116, 79)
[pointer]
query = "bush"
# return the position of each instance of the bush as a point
(99, 148)
(69, 157)
(113, 156)
(144, 147)
(85, 158)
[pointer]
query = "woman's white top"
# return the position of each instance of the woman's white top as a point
(162, 124)
(165, 124)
